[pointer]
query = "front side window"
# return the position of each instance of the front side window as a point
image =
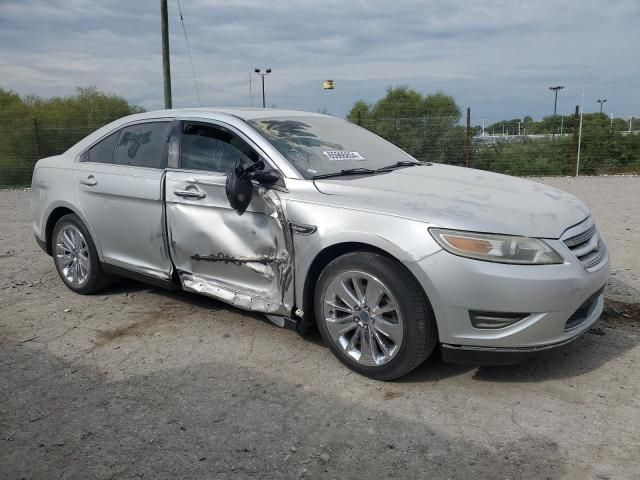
(143, 145)
(206, 147)
(326, 145)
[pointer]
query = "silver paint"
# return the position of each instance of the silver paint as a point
(363, 318)
(72, 255)
(243, 260)
(260, 260)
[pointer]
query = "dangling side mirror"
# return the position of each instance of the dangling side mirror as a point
(265, 177)
(239, 189)
(263, 173)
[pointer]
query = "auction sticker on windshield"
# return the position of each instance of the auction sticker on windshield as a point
(339, 155)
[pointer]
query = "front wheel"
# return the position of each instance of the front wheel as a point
(374, 316)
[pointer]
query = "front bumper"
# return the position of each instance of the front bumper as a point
(470, 355)
(550, 295)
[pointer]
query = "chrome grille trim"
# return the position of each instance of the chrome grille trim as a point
(585, 243)
(581, 237)
(593, 258)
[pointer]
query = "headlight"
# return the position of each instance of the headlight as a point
(496, 248)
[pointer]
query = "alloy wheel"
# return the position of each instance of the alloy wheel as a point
(72, 255)
(363, 318)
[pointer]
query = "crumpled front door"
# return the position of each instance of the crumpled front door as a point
(245, 260)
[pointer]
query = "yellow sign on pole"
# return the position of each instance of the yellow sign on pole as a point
(327, 84)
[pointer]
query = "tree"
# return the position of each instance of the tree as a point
(32, 127)
(422, 125)
(360, 112)
(404, 102)
(509, 126)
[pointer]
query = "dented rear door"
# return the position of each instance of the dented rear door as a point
(244, 260)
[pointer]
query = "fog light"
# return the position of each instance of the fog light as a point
(480, 319)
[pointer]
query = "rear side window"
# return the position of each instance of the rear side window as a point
(143, 145)
(102, 152)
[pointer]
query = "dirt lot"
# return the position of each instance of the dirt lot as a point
(138, 382)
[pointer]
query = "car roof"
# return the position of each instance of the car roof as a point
(244, 113)
(239, 114)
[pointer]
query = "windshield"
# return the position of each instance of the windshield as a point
(325, 145)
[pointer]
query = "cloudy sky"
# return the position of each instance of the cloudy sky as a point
(497, 57)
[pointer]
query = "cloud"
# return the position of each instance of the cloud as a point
(498, 57)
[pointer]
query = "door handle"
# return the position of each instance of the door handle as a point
(89, 181)
(189, 194)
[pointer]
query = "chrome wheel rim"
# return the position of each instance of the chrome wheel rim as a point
(363, 318)
(72, 255)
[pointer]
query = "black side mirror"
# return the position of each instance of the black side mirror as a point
(239, 189)
(265, 177)
(262, 173)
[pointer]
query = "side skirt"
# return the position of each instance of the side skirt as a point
(167, 284)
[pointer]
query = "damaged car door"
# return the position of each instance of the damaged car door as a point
(243, 259)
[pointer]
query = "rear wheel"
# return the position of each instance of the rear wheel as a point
(75, 256)
(374, 316)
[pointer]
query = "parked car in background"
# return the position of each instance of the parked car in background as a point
(312, 220)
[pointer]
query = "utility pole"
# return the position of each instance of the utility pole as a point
(483, 127)
(555, 102)
(262, 75)
(601, 102)
(166, 67)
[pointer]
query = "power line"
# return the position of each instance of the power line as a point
(193, 70)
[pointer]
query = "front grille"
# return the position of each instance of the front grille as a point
(586, 244)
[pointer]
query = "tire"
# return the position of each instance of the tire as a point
(75, 257)
(399, 340)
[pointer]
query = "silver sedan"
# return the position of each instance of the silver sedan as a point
(316, 222)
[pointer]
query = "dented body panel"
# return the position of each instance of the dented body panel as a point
(245, 260)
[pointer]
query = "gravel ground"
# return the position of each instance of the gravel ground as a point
(139, 382)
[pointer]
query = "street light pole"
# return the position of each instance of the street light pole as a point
(601, 102)
(555, 101)
(262, 75)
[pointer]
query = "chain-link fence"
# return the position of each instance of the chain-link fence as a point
(518, 148)
(22, 147)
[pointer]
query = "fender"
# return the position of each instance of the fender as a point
(64, 204)
(391, 234)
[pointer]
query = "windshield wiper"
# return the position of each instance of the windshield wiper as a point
(347, 171)
(402, 163)
(359, 170)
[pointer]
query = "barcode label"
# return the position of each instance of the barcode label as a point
(339, 155)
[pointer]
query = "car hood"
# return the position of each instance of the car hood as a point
(461, 198)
